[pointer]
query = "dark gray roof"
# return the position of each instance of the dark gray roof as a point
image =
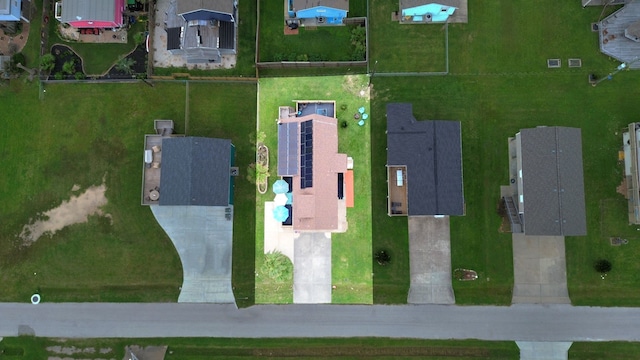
(173, 38)
(288, 149)
(195, 171)
(432, 153)
(552, 181)
(223, 6)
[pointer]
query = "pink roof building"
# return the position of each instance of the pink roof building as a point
(308, 154)
(90, 14)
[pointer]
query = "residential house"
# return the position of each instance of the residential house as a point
(308, 159)
(424, 165)
(631, 145)
(546, 194)
(423, 11)
(182, 170)
(90, 14)
(316, 12)
(619, 35)
(202, 30)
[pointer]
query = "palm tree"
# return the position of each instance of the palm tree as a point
(125, 65)
(47, 63)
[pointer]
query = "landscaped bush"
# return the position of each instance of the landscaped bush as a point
(277, 267)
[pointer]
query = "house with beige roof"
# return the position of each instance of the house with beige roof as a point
(308, 159)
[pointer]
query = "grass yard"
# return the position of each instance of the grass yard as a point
(404, 47)
(324, 43)
(29, 348)
(500, 84)
(351, 251)
(81, 134)
(604, 350)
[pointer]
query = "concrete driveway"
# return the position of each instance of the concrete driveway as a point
(544, 350)
(539, 266)
(430, 260)
(203, 237)
(312, 268)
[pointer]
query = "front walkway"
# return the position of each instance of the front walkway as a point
(312, 269)
(203, 237)
(430, 260)
(539, 266)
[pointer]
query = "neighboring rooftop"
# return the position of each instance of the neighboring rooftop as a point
(432, 154)
(222, 10)
(309, 4)
(10, 10)
(619, 35)
(603, 2)
(460, 15)
(94, 13)
(552, 181)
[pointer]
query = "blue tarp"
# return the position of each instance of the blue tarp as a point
(436, 12)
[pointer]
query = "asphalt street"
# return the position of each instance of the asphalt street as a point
(521, 322)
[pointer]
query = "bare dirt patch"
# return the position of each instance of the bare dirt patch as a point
(357, 85)
(73, 211)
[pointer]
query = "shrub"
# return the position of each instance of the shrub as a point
(58, 76)
(602, 266)
(382, 257)
(277, 266)
(69, 67)
(47, 62)
(302, 57)
(139, 38)
(79, 76)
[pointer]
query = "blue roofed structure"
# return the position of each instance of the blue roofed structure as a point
(10, 10)
(429, 11)
(317, 12)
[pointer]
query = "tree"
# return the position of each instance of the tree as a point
(602, 266)
(382, 257)
(47, 63)
(69, 67)
(125, 65)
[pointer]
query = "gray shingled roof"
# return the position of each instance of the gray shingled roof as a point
(432, 153)
(222, 6)
(552, 181)
(195, 171)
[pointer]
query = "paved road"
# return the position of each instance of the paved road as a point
(522, 322)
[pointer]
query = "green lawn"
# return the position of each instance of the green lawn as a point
(351, 251)
(28, 348)
(404, 47)
(324, 43)
(604, 350)
(80, 134)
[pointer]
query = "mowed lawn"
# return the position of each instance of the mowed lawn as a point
(324, 43)
(404, 47)
(351, 251)
(80, 134)
(499, 84)
(29, 347)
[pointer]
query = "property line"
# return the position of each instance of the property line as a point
(186, 109)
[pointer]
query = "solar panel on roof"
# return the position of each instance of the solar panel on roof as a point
(306, 154)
